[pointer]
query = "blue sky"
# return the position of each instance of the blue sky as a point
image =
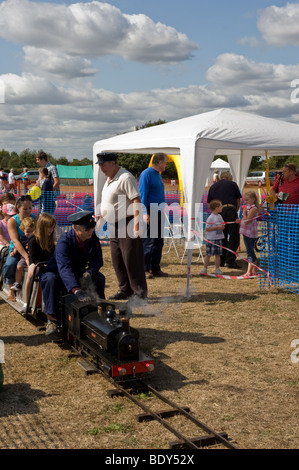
(77, 72)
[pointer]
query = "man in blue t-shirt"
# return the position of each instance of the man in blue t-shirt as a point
(152, 195)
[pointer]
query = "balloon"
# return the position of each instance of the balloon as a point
(35, 193)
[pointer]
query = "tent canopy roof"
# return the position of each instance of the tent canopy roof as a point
(198, 139)
(219, 129)
(219, 163)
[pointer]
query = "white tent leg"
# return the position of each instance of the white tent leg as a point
(189, 259)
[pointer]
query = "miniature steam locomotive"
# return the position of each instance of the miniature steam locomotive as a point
(102, 336)
(106, 338)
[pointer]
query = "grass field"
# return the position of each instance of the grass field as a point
(225, 352)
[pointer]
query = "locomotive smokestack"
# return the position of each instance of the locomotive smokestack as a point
(125, 324)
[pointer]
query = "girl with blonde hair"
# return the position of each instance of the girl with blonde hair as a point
(248, 228)
(41, 248)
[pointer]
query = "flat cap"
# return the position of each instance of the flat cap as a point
(106, 157)
(84, 218)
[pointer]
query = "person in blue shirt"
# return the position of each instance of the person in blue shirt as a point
(42, 160)
(152, 194)
(25, 179)
(48, 196)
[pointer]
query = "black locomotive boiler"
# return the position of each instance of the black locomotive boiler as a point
(106, 338)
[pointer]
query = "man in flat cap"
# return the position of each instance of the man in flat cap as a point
(120, 207)
(79, 257)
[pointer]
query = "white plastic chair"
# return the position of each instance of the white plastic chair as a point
(173, 232)
(198, 236)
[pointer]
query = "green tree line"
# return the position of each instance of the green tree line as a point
(135, 163)
(26, 159)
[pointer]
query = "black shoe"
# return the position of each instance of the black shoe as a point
(118, 296)
(159, 273)
(233, 265)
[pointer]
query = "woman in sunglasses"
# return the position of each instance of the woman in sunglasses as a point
(23, 209)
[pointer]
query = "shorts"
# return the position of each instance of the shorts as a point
(212, 250)
(22, 263)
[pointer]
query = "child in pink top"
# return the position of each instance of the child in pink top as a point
(248, 228)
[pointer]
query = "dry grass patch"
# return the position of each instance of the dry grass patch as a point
(224, 352)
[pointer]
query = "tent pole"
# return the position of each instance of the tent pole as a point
(189, 259)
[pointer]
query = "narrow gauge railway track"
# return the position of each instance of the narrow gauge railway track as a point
(100, 322)
(212, 438)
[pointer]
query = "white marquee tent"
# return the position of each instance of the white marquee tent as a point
(220, 164)
(198, 139)
(217, 164)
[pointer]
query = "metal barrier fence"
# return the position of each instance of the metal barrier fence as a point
(63, 205)
(280, 248)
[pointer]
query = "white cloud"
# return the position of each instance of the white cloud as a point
(68, 120)
(247, 76)
(40, 114)
(30, 89)
(57, 64)
(280, 25)
(153, 43)
(92, 29)
(263, 88)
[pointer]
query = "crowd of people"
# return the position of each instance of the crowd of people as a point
(61, 265)
(223, 226)
(73, 263)
(30, 241)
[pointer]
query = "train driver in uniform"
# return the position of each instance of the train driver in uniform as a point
(79, 257)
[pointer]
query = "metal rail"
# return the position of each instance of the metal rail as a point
(196, 421)
(218, 437)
